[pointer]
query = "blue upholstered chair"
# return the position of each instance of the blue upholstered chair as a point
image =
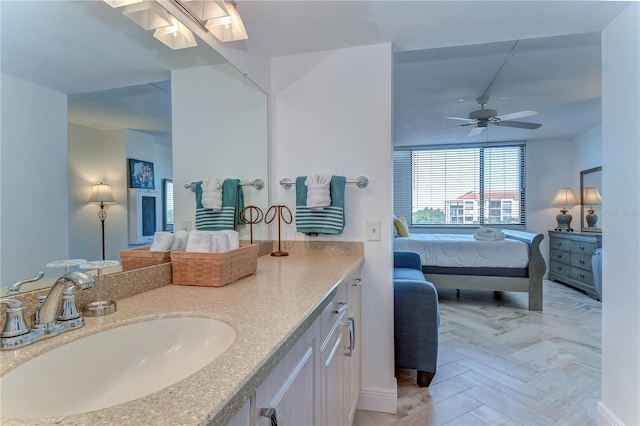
(416, 317)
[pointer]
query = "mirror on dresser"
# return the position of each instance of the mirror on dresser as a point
(591, 200)
(58, 56)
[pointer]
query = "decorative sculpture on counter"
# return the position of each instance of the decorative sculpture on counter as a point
(251, 219)
(279, 210)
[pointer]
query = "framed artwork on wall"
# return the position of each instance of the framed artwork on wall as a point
(141, 174)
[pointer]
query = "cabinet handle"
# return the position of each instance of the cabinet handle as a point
(581, 262)
(581, 247)
(559, 268)
(271, 414)
(356, 282)
(351, 323)
(559, 244)
(342, 306)
(559, 256)
(582, 276)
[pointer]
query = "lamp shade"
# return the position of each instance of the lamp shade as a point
(229, 27)
(205, 9)
(591, 196)
(101, 193)
(564, 197)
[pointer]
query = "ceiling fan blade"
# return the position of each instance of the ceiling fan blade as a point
(476, 131)
(518, 124)
(460, 118)
(519, 114)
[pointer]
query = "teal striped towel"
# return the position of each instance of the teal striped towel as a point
(226, 218)
(329, 220)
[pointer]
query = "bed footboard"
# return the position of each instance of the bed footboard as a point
(531, 284)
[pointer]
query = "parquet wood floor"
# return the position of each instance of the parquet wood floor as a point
(501, 364)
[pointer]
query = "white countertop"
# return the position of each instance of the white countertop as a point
(269, 312)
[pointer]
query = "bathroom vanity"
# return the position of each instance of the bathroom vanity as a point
(296, 348)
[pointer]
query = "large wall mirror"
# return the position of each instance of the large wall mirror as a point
(591, 200)
(83, 90)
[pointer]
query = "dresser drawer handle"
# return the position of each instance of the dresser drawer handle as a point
(582, 262)
(559, 268)
(559, 244)
(581, 247)
(559, 256)
(582, 276)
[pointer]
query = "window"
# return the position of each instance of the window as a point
(167, 216)
(462, 185)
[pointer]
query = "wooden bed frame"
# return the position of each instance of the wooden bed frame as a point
(531, 284)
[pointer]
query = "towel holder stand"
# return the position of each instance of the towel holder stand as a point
(360, 182)
(257, 184)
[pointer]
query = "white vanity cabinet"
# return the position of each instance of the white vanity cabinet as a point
(318, 380)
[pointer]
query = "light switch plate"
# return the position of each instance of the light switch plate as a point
(373, 230)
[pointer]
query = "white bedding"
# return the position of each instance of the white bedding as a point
(462, 250)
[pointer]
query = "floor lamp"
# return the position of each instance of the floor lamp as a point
(101, 194)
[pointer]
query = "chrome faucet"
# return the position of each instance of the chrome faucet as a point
(15, 288)
(55, 313)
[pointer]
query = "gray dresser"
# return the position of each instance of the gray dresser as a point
(570, 259)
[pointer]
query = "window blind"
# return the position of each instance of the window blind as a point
(468, 185)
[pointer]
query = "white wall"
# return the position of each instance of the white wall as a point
(621, 206)
(96, 156)
(145, 147)
(33, 179)
(219, 130)
(331, 113)
(549, 167)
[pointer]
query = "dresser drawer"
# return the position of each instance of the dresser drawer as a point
(582, 275)
(581, 261)
(560, 256)
(583, 247)
(559, 268)
(560, 244)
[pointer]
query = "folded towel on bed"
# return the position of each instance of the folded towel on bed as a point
(162, 241)
(318, 191)
(226, 218)
(488, 234)
(329, 220)
(212, 193)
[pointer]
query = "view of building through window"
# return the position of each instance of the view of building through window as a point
(460, 186)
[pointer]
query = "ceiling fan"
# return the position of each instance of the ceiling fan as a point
(481, 118)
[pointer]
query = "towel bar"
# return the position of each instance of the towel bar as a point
(360, 181)
(257, 184)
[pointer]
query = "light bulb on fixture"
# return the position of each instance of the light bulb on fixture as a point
(228, 27)
(176, 36)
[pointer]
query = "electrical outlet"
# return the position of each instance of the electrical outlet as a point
(373, 230)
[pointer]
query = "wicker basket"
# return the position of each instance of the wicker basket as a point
(141, 257)
(213, 269)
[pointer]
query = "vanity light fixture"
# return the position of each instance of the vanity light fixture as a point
(101, 194)
(591, 197)
(229, 27)
(176, 36)
(149, 15)
(564, 197)
(120, 3)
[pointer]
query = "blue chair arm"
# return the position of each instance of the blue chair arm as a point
(407, 259)
(416, 324)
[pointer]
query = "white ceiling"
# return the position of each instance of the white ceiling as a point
(445, 51)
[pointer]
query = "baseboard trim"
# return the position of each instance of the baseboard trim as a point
(384, 400)
(605, 417)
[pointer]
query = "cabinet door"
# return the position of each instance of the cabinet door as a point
(334, 381)
(292, 389)
(352, 354)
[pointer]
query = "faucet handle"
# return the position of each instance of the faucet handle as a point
(69, 310)
(14, 324)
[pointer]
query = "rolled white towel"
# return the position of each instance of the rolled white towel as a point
(199, 241)
(318, 191)
(180, 240)
(221, 242)
(234, 238)
(488, 234)
(162, 241)
(212, 193)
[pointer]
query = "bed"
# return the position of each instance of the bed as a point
(458, 261)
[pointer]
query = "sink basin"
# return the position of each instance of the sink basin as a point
(112, 367)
